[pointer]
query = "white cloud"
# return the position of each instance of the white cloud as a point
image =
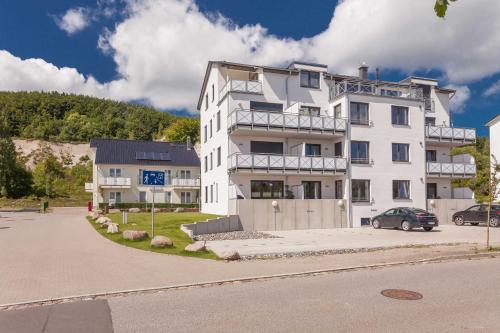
(459, 100)
(74, 20)
(161, 48)
(494, 89)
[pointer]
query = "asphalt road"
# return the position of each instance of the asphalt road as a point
(460, 296)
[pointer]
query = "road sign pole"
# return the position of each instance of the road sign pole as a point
(153, 214)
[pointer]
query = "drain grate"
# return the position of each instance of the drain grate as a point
(406, 295)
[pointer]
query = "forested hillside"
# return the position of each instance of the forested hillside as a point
(66, 117)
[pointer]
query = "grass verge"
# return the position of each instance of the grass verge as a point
(166, 224)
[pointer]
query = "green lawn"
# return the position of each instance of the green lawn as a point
(33, 202)
(166, 224)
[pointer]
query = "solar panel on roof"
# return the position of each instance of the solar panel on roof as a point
(152, 156)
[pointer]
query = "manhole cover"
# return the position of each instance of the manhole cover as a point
(406, 295)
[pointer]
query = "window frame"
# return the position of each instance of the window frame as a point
(312, 145)
(367, 184)
(398, 152)
(309, 83)
(396, 115)
(311, 182)
(339, 191)
(218, 121)
(396, 195)
(360, 160)
(261, 190)
(358, 120)
(219, 156)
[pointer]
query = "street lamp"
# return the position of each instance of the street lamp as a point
(274, 203)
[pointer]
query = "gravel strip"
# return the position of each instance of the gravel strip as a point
(234, 235)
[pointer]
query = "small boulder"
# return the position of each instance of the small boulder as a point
(157, 210)
(103, 219)
(135, 235)
(161, 241)
(229, 255)
(94, 215)
(134, 210)
(179, 210)
(112, 228)
(195, 247)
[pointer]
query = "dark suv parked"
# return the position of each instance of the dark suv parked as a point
(405, 218)
(478, 214)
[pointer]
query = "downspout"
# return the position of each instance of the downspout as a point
(348, 159)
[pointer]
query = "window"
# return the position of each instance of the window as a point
(263, 106)
(400, 152)
(360, 190)
(211, 132)
(206, 163)
(115, 197)
(206, 102)
(339, 189)
(430, 121)
(312, 190)
(360, 152)
(312, 149)
(218, 121)
(390, 93)
(359, 114)
(168, 197)
(185, 197)
(401, 189)
(219, 159)
(212, 193)
(432, 191)
(205, 136)
(266, 189)
(399, 115)
(115, 172)
(168, 177)
(309, 79)
(185, 174)
(206, 194)
(213, 92)
(264, 147)
(211, 161)
(216, 192)
(430, 155)
(142, 196)
(337, 111)
(310, 110)
(338, 149)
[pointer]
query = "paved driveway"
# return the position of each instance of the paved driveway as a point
(60, 255)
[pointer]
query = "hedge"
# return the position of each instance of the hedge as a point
(143, 205)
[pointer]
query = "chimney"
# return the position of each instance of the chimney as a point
(377, 74)
(363, 71)
(188, 143)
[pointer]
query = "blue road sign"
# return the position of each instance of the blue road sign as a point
(155, 178)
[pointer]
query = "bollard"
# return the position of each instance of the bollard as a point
(125, 216)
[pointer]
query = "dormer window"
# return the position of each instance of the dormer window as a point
(309, 79)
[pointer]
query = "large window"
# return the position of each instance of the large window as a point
(312, 190)
(266, 189)
(211, 131)
(430, 121)
(142, 196)
(168, 197)
(401, 189)
(115, 172)
(265, 147)
(206, 163)
(360, 153)
(360, 190)
(211, 160)
(206, 194)
(400, 152)
(309, 79)
(432, 191)
(219, 159)
(339, 189)
(264, 106)
(430, 156)
(185, 174)
(312, 149)
(185, 197)
(359, 113)
(338, 149)
(399, 115)
(310, 110)
(115, 197)
(218, 121)
(205, 134)
(337, 111)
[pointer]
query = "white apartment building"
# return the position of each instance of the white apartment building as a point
(118, 166)
(494, 127)
(301, 133)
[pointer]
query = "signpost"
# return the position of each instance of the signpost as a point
(153, 178)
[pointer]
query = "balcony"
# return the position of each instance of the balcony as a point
(240, 86)
(89, 187)
(185, 182)
(450, 134)
(451, 170)
(364, 88)
(243, 121)
(286, 163)
(115, 182)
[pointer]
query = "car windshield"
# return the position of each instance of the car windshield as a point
(418, 211)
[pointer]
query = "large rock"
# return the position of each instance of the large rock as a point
(112, 228)
(195, 247)
(135, 234)
(229, 255)
(179, 210)
(134, 210)
(103, 219)
(161, 241)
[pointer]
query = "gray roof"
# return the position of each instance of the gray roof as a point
(133, 152)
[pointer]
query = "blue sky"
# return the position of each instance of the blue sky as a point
(32, 29)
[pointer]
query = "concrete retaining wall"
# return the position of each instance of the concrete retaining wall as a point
(445, 208)
(212, 226)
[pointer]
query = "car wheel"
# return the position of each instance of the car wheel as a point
(428, 228)
(376, 224)
(459, 220)
(475, 223)
(494, 222)
(406, 226)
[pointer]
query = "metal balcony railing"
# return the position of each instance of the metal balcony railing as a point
(186, 182)
(451, 169)
(451, 133)
(283, 121)
(115, 181)
(358, 87)
(286, 162)
(244, 86)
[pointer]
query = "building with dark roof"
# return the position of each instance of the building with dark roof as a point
(119, 167)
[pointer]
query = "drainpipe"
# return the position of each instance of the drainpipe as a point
(349, 171)
(286, 90)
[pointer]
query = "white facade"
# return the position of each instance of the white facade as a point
(300, 133)
(494, 126)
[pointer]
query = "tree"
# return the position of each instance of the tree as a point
(48, 169)
(441, 6)
(493, 192)
(182, 129)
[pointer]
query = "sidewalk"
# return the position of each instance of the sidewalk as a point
(352, 240)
